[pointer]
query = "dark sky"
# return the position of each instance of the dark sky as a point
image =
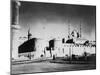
(50, 20)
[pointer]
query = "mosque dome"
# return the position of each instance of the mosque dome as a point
(75, 34)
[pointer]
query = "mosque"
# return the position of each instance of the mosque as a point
(35, 48)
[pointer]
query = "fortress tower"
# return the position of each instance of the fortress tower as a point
(15, 28)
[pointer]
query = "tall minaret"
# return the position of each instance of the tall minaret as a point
(68, 29)
(80, 30)
(15, 28)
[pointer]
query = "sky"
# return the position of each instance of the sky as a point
(51, 20)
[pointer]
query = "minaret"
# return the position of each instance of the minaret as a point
(68, 29)
(80, 30)
(15, 28)
(29, 34)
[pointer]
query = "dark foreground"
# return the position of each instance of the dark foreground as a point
(46, 66)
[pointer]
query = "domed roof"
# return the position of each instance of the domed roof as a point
(75, 33)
